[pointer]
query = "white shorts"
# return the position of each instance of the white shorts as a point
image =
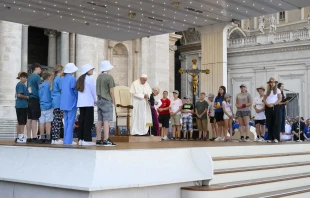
(226, 117)
(46, 116)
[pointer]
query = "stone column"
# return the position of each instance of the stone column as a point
(51, 47)
(136, 61)
(214, 56)
(72, 48)
(24, 57)
(64, 48)
(10, 65)
(172, 48)
(255, 25)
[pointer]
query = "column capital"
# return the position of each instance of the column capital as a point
(174, 37)
(25, 26)
(50, 33)
(64, 32)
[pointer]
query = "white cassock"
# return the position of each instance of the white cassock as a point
(141, 113)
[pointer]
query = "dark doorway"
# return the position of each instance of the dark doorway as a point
(37, 46)
(177, 64)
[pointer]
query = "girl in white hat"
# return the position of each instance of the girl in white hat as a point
(68, 101)
(86, 102)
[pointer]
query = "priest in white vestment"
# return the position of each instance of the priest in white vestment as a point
(141, 114)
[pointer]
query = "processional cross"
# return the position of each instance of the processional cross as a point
(194, 72)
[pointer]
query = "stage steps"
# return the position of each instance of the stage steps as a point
(247, 175)
(7, 128)
(290, 192)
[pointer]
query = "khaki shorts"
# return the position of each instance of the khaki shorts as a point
(175, 120)
(202, 124)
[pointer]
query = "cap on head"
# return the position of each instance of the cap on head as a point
(176, 91)
(242, 85)
(187, 97)
(143, 76)
(211, 95)
(105, 66)
(227, 95)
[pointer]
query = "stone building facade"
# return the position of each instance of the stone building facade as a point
(253, 57)
(130, 58)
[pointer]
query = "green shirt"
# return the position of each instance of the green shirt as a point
(103, 85)
(201, 106)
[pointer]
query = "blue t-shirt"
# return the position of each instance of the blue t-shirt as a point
(45, 96)
(220, 100)
(33, 85)
(21, 102)
(307, 131)
(56, 92)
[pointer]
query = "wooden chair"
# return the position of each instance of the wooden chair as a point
(123, 107)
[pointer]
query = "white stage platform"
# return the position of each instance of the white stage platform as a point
(49, 172)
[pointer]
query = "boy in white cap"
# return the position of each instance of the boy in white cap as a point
(105, 92)
(68, 102)
(86, 101)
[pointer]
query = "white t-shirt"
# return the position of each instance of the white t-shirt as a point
(272, 98)
(211, 108)
(227, 107)
(288, 129)
(175, 105)
(258, 101)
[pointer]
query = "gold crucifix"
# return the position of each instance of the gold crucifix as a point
(194, 72)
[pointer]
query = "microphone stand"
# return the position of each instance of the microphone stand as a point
(299, 110)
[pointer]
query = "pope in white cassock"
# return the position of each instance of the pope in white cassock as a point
(141, 116)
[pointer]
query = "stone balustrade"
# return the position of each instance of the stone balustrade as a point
(302, 34)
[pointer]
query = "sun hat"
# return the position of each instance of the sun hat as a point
(227, 95)
(105, 66)
(261, 87)
(86, 68)
(70, 68)
(272, 79)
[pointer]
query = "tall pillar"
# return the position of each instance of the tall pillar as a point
(51, 47)
(72, 48)
(214, 56)
(10, 65)
(24, 57)
(136, 65)
(172, 48)
(64, 48)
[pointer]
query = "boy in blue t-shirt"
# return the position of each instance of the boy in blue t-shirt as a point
(46, 108)
(34, 111)
(21, 106)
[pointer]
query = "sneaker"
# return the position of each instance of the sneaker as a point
(260, 139)
(191, 139)
(80, 142)
(275, 141)
(48, 141)
(59, 141)
(35, 141)
(165, 138)
(222, 139)
(247, 139)
(172, 138)
(108, 142)
(241, 140)
(21, 140)
(85, 143)
(74, 143)
(29, 140)
(205, 139)
(269, 141)
(218, 139)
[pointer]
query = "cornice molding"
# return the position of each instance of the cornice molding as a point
(189, 47)
(271, 48)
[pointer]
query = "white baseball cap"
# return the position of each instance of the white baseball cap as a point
(105, 66)
(86, 68)
(70, 68)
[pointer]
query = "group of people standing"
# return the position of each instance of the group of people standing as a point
(269, 106)
(54, 103)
